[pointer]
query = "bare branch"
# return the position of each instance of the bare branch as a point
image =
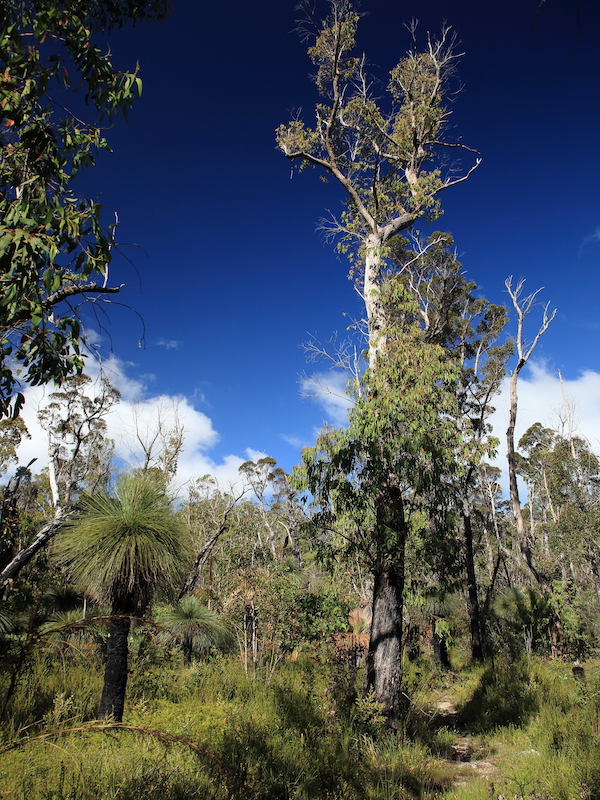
(522, 308)
(454, 182)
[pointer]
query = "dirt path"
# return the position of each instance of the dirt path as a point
(467, 756)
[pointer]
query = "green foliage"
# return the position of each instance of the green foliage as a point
(12, 431)
(529, 617)
(506, 695)
(398, 433)
(221, 735)
(59, 678)
(556, 754)
(53, 245)
(562, 475)
(224, 737)
(155, 671)
(385, 156)
(78, 446)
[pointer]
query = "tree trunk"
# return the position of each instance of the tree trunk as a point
(595, 572)
(112, 701)
(372, 298)
(202, 557)
(440, 648)
(24, 556)
(187, 647)
(475, 621)
(512, 470)
(384, 659)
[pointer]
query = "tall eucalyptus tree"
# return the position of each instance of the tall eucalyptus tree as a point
(374, 477)
(388, 162)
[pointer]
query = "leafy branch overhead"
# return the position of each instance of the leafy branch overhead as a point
(54, 247)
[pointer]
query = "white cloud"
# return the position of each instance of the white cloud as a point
(132, 389)
(296, 441)
(134, 424)
(592, 237)
(137, 413)
(255, 455)
(328, 390)
(168, 344)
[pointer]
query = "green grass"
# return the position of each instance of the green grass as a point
(543, 738)
(208, 731)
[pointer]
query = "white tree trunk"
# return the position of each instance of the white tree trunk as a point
(372, 298)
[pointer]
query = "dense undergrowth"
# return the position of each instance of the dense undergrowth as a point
(209, 730)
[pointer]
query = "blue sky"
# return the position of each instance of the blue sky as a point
(230, 273)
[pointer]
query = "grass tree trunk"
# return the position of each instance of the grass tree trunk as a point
(187, 647)
(120, 548)
(112, 702)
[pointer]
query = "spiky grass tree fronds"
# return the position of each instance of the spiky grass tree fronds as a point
(121, 548)
(528, 613)
(7, 625)
(64, 624)
(62, 599)
(126, 545)
(196, 626)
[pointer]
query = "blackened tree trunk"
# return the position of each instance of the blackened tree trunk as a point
(112, 702)
(475, 620)
(187, 647)
(440, 648)
(384, 659)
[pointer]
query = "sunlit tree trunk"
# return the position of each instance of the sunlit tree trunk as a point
(384, 659)
(522, 307)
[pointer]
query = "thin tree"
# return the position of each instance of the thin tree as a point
(209, 515)
(524, 350)
(121, 548)
(79, 455)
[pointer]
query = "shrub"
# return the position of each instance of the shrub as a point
(505, 695)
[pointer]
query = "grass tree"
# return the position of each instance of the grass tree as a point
(121, 548)
(195, 626)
